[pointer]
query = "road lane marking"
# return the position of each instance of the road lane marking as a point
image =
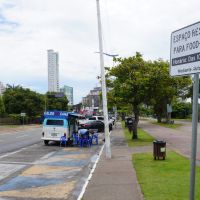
(20, 163)
(90, 175)
(10, 169)
(21, 136)
(8, 154)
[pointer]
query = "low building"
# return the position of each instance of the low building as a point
(93, 100)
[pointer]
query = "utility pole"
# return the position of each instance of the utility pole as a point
(194, 136)
(103, 85)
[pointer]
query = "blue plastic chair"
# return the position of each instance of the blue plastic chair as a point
(85, 140)
(76, 139)
(63, 140)
(95, 138)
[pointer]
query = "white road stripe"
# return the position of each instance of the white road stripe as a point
(10, 169)
(21, 136)
(8, 154)
(90, 175)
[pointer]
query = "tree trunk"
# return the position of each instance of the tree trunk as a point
(168, 118)
(135, 123)
(135, 136)
(159, 119)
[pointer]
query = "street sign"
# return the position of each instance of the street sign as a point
(169, 108)
(23, 114)
(185, 60)
(185, 50)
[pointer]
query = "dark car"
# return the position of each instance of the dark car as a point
(96, 124)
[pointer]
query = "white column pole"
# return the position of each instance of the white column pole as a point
(194, 135)
(103, 85)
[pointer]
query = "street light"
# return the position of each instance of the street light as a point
(103, 83)
(107, 54)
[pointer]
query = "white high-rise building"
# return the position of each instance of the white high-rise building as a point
(53, 71)
(2, 88)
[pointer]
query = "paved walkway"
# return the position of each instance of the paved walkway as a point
(114, 179)
(178, 139)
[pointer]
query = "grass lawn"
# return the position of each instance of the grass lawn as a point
(143, 138)
(165, 179)
(187, 119)
(10, 126)
(174, 126)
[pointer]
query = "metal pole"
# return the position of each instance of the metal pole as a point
(45, 103)
(115, 116)
(103, 85)
(194, 135)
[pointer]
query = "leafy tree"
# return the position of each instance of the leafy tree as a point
(135, 82)
(56, 103)
(165, 88)
(181, 110)
(17, 99)
(130, 84)
(2, 107)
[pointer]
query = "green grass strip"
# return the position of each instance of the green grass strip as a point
(165, 179)
(173, 126)
(144, 138)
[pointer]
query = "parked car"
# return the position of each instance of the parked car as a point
(101, 118)
(81, 121)
(96, 124)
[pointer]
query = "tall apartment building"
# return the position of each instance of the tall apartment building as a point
(68, 91)
(2, 88)
(53, 71)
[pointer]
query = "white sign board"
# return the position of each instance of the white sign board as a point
(185, 51)
(23, 114)
(169, 108)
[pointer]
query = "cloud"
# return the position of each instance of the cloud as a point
(29, 28)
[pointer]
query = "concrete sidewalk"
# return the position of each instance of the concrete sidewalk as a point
(114, 179)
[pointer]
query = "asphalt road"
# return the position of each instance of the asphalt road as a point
(31, 170)
(14, 140)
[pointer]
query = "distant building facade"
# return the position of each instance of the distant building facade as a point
(53, 71)
(92, 101)
(68, 91)
(2, 88)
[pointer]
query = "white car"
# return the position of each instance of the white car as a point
(81, 121)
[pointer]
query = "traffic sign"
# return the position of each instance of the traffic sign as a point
(185, 50)
(23, 114)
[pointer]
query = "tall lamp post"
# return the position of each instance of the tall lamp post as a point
(103, 85)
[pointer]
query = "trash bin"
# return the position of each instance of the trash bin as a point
(128, 121)
(159, 149)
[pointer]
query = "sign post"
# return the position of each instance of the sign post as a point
(194, 135)
(23, 115)
(185, 60)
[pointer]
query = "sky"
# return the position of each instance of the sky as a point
(28, 28)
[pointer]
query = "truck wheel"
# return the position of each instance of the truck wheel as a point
(46, 142)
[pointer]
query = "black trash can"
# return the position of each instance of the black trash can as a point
(129, 123)
(159, 149)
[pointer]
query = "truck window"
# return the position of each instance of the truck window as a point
(55, 122)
